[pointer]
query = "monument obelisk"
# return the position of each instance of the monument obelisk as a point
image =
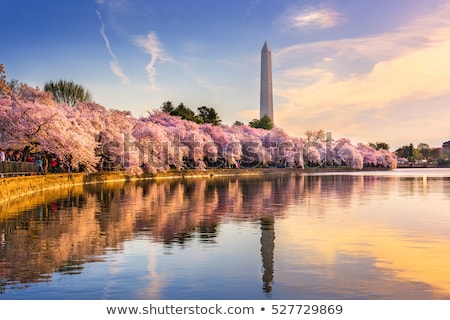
(266, 97)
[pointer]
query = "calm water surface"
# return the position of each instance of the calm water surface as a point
(369, 235)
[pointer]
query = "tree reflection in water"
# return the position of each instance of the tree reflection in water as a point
(60, 234)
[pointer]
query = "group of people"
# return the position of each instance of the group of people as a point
(11, 155)
(44, 163)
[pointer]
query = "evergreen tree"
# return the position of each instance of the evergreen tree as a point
(209, 115)
(167, 107)
(68, 92)
(186, 113)
(264, 123)
(379, 145)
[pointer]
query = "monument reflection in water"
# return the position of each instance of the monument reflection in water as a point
(274, 237)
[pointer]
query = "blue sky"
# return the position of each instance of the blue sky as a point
(364, 70)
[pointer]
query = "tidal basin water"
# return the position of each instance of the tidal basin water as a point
(361, 235)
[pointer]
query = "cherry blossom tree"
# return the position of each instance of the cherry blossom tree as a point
(5, 90)
(313, 155)
(25, 93)
(42, 128)
(108, 128)
(369, 155)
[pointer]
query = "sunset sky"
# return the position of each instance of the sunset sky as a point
(362, 69)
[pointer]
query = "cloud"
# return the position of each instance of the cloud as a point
(103, 33)
(117, 70)
(310, 18)
(417, 75)
(114, 64)
(350, 85)
(154, 48)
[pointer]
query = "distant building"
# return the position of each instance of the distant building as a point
(266, 96)
(446, 148)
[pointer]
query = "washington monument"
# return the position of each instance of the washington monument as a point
(266, 98)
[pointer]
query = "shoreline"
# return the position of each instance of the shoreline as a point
(14, 188)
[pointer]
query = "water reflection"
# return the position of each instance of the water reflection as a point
(267, 249)
(337, 236)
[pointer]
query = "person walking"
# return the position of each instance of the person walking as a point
(39, 164)
(54, 165)
(2, 159)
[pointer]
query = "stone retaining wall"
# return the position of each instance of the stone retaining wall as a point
(14, 187)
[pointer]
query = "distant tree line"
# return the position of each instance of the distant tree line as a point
(204, 115)
(209, 115)
(379, 145)
(423, 151)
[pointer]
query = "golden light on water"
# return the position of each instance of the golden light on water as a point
(394, 234)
